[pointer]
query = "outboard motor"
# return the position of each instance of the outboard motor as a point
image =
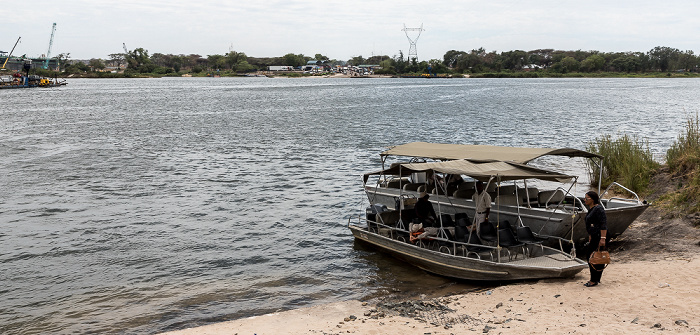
(373, 210)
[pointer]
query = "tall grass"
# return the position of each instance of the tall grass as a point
(683, 159)
(628, 161)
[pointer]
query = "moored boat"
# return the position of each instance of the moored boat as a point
(494, 254)
(18, 80)
(554, 212)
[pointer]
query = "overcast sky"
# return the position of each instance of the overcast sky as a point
(344, 29)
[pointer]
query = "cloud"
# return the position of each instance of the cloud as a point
(341, 29)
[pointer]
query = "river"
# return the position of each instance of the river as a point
(135, 206)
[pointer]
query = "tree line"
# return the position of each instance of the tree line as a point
(658, 59)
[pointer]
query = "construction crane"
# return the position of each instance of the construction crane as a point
(48, 53)
(10, 55)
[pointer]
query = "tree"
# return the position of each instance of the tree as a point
(663, 58)
(117, 59)
(356, 61)
(63, 58)
(138, 60)
(566, 65)
(96, 63)
(513, 60)
(291, 59)
(593, 63)
(234, 58)
(320, 57)
(451, 57)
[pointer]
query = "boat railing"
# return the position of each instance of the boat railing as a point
(635, 200)
(443, 244)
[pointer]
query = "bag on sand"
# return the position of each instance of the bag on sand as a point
(599, 257)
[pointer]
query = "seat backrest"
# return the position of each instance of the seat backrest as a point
(486, 228)
(531, 191)
(461, 215)
(460, 233)
(412, 186)
(467, 185)
(491, 187)
(447, 220)
(506, 190)
(464, 194)
(507, 200)
(473, 238)
(556, 197)
(506, 237)
(525, 234)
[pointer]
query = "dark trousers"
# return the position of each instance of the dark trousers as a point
(596, 270)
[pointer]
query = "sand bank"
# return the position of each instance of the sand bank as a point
(635, 297)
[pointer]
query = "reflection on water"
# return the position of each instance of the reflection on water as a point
(144, 205)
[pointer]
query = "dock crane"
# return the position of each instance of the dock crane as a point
(10, 55)
(48, 53)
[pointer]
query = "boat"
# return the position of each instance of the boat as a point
(556, 212)
(18, 80)
(454, 251)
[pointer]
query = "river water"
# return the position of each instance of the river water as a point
(144, 205)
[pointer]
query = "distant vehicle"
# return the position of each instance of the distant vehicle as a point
(280, 68)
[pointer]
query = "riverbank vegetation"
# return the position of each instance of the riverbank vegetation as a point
(683, 160)
(629, 161)
(477, 63)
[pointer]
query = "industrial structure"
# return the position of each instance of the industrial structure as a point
(17, 63)
(412, 50)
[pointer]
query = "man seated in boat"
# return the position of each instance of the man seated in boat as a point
(426, 217)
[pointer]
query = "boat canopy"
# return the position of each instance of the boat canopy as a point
(484, 153)
(478, 170)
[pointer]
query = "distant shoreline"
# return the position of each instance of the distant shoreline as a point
(515, 75)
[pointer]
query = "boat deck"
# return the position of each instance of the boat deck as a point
(546, 261)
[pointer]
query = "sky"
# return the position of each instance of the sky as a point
(344, 29)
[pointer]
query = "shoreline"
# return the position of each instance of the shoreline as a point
(651, 286)
(639, 297)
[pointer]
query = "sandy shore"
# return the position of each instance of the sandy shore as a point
(634, 297)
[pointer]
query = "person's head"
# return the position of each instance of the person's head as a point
(479, 186)
(424, 196)
(592, 197)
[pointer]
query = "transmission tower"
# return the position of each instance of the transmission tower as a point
(412, 50)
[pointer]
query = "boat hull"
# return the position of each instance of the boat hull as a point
(467, 268)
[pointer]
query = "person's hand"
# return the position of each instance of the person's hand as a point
(602, 242)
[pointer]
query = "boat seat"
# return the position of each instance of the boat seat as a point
(412, 186)
(531, 192)
(487, 232)
(439, 190)
(506, 239)
(396, 183)
(545, 198)
(506, 190)
(461, 215)
(464, 194)
(461, 233)
(447, 220)
(475, 246)
(507, 200)
(526, 235)
(466, 186)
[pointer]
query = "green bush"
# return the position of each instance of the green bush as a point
(627, 161)
(683, 159)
